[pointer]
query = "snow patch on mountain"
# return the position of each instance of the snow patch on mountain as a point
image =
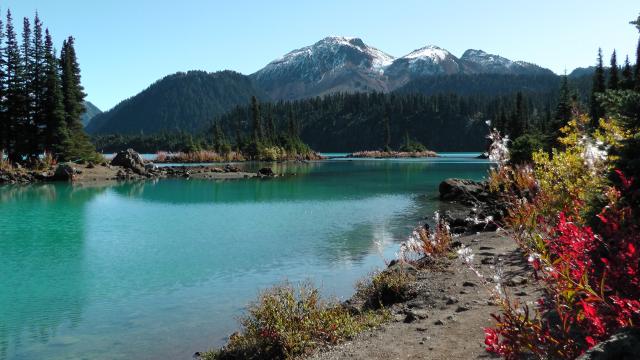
(433, 52)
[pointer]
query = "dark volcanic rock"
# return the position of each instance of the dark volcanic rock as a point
(129, 159)
(461, 190)
(266, 172)
(65, 172)
(230, 168)
(624, 345)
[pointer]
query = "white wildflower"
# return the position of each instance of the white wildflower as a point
(466, 254)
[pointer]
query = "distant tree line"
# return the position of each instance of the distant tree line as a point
(41, 97)
(367, 121)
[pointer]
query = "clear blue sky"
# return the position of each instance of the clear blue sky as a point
(123, 46)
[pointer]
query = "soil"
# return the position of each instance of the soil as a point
(453, 305)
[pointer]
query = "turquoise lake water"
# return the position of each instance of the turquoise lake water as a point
(163, 269)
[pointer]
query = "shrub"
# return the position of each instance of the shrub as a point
(592, 286)
(289, 321)
(385, 288)
(425, 243)
(523, 147)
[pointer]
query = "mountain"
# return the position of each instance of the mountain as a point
(343, 64)
(179, 102)
(428, 61)
(480, 62)
(189, 101)
(89, 113)
(333, 64)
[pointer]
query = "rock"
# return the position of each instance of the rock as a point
(91, 165)
(451, 300)
(460, 189)
(462, 309)
(231, 168)
(468, 284)
(624, 345)
(150, 167)
(516, 280)
(402, 267)
(65, 172)
(129, 159)
(268, 172)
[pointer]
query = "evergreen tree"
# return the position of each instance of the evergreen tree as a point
(78, 145)
(387, 132)
(563, 112)
(291, 125)
(256, 121)
(4, 125)
(627, 75)
(613, 72)
(219, 141)
(16, 111)
(238, 127)
(636, 73)
(37, 82)
(271, 125)
(55, 131)
(596, 110)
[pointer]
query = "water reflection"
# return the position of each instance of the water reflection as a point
(41, 238)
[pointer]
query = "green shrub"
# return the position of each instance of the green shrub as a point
(289, 321)
(522, 148)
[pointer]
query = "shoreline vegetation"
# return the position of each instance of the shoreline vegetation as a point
(377, 154)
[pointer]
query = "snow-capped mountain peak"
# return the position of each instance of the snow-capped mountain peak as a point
(433, 52)
(335, 63)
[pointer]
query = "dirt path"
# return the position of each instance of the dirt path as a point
(446, 320)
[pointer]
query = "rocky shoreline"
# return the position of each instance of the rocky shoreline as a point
(450, 304)
(126, 166)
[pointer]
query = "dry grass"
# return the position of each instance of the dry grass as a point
(5, 164)
(393, 154)
(202, 156)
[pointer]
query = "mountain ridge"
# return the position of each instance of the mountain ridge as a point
(330, 65)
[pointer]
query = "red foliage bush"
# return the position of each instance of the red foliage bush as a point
(591, 280)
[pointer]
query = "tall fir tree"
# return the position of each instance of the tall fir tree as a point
(256, 124)
(627, 75)
(387, 131)
(55, 135)
(4, 125)
(37, 81)
(292, 130)
(563, 112)
(636, 73)
(78, 145)
(613, 72)
(30, 135)
(596, 110)
(271, 125)
(15, 100)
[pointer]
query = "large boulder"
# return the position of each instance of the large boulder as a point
(461, 190)
(129, 159)
(267, 172)
(624, 345)
(65, 172)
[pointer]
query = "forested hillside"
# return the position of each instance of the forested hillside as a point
(178, 102)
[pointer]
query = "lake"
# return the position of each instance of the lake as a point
(163, 269)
